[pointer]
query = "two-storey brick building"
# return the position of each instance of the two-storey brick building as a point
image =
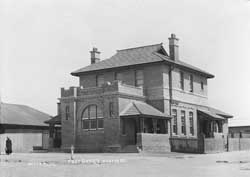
(141, 99)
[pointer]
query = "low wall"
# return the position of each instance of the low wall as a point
(153, 142)
(238, 144)
(189, 145)
(212, 145)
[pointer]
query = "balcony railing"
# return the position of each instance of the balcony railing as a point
(115, 86)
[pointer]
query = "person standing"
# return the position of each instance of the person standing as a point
(8, 148)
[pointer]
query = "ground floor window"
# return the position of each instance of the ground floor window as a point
(174, 114)
(183, 122)
(191, 122)
(92, 118)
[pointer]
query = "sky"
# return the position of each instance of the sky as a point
(42, 41)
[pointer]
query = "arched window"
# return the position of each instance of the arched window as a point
(92, 118)
(67, 112)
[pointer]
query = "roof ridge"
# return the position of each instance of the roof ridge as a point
(136, 107)
(139, 47)
(126, 108)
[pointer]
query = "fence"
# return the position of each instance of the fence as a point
(238, 144)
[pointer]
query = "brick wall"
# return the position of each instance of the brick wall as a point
(212, 145)
(153, 142)
(189, 145)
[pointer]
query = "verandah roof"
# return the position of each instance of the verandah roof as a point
(54, 120)
(138, 108)
(210, 114)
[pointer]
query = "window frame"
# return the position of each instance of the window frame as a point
(191, 83)
(191, 123)
(202, 85)
(175, 122)
(98, 83)
(90, 119)
(182, 87)
(67, 112)
(111, 109)
(183, 122)
(118, 76)
(139, 78)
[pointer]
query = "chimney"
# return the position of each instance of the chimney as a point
(173, 47)
(95, 55)
(59, 108)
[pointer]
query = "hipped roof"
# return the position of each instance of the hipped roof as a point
(138, 108)
(22, 115)
(54, 120)
(137, 56)
(214, 113)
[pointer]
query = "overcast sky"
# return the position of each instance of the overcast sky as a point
(42, 41)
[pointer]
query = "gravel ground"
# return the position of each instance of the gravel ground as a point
(229, 164)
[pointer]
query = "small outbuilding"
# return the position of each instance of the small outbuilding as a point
(24, 126)
(239, 128)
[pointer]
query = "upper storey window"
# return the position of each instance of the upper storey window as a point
(182, 80)
(118, 76)
(99, 80)
(202, 86)
(139, 78)
(191, 83)
(67, 113)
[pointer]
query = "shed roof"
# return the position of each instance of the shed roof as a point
(22, 115)
(136, 56)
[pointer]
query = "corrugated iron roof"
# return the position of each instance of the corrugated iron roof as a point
(138, 108)
(22, 115)
(210, 114)
(136, 56)
(219, 112)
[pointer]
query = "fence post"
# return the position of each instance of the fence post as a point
(239, 141)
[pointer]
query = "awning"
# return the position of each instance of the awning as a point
(210, 114)
(54, 120)
(141, 109)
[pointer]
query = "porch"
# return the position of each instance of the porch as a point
(210, 135)
(145, 127)
(54, 132)
(210, 125)
(210, 132)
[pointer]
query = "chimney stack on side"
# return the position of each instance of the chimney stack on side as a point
(173, 47)
(95, 55)
(59, 108)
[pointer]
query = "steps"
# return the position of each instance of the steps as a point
(130, 149)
